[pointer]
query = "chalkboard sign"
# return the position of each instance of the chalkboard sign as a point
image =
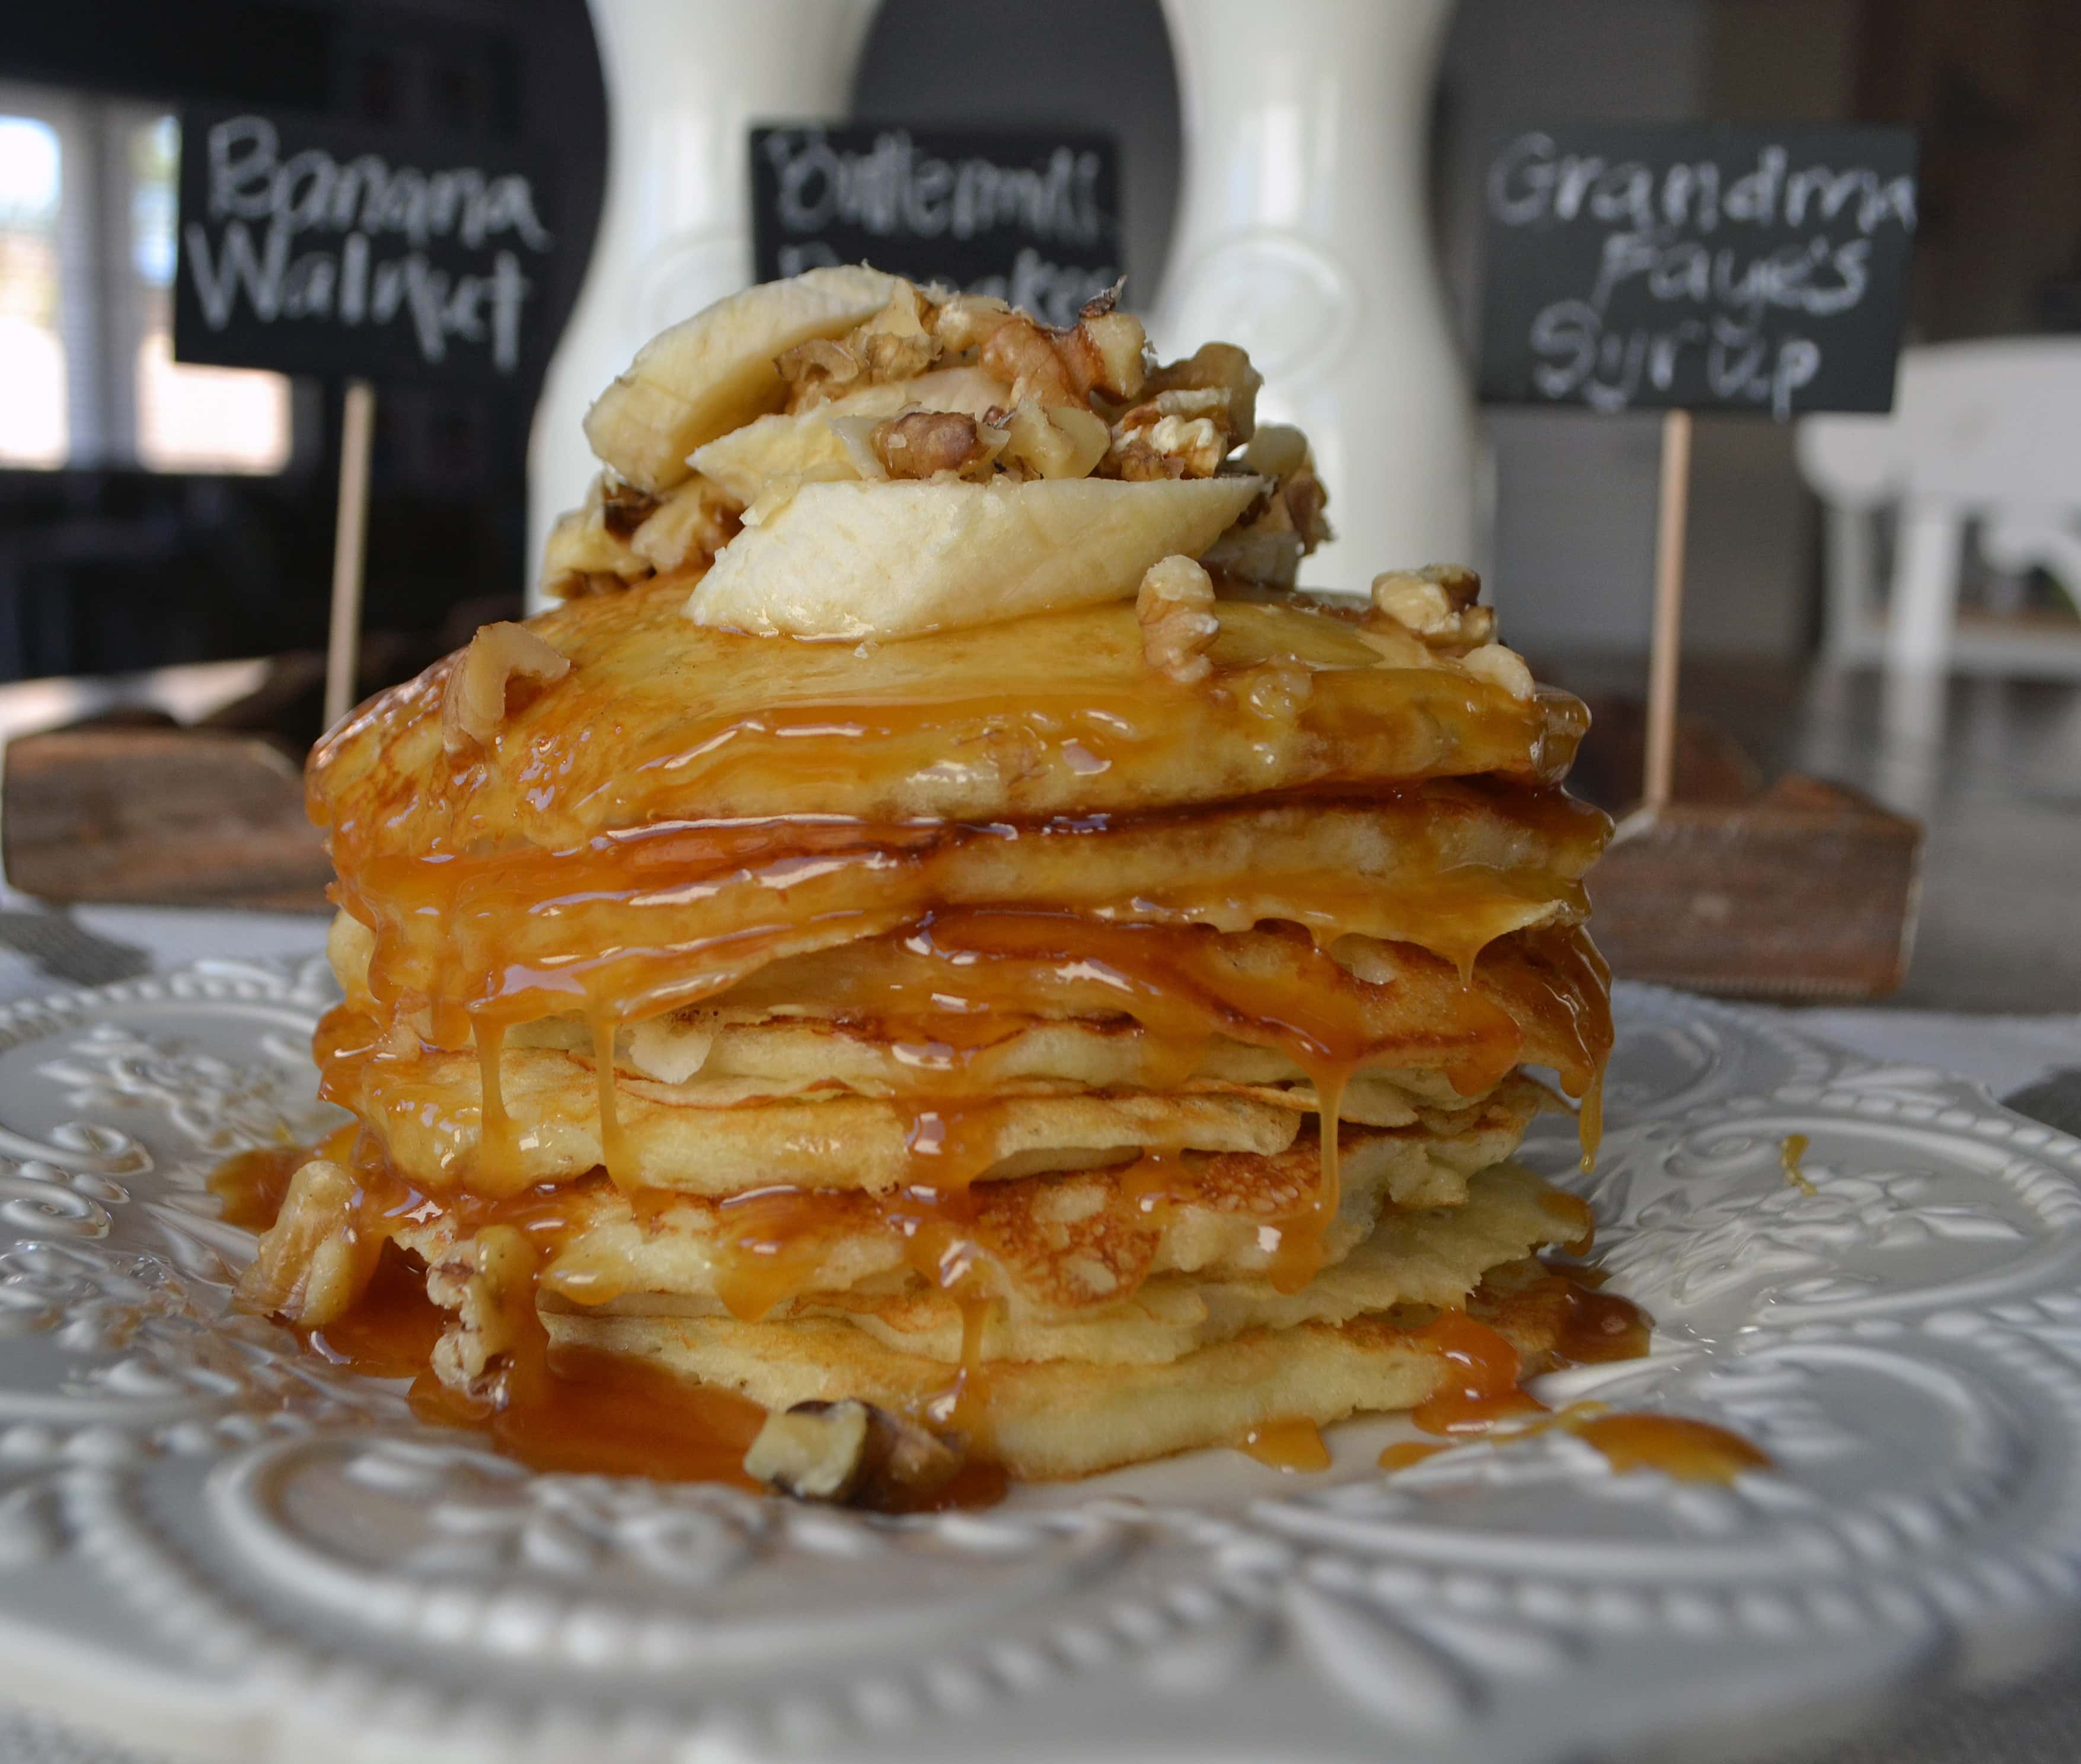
(1693, 266)
(1031, 218)
(311, 248)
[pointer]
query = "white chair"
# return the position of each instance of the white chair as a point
(1988, 432)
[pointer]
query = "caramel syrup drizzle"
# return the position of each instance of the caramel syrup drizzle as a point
(1481, 1384)
(980, 967)
(1168, 977)
(1596, 1327)
(814, 736)
(638, 921)
(579, 1411)
(496, 1150)
(476, 934)
(1679, 1446)
(1294, 1446)
(565, 1408)
(1790, 1155)
(1172, 981)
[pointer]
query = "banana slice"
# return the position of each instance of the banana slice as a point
(745, 459)
(715, 371)
(859, 560)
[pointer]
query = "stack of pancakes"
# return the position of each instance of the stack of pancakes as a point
(982, 1023)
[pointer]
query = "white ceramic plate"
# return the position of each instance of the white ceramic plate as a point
(208, 1541)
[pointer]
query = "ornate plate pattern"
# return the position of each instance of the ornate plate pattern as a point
(208, 1540)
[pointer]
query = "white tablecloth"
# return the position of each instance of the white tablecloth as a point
(2035, 1723)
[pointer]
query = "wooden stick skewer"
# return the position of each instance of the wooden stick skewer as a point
(349, 547)
(1668, 637)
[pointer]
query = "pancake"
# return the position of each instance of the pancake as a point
(1105, 1006)
(1063, 1418)
(661, 719)
(1049, 1247)
(1434, 1255)
(733, 1064)
(426, 1113)
(638, 924)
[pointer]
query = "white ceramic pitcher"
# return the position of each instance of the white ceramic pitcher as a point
(685, 80)
(1303, 235)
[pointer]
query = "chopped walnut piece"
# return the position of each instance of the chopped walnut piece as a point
(895, 343)
(1024, 356)
(592, 541)
(965, 321)
(1437, 603)
(315, 1259)
(1063, 441)
(1105, 302)
(1428, 600)
(1278, 690)
(1104, 351)
(1187, 431)
(489, 1282)
(1178, 625)
(1268, 543)
(1214, 367)
(1101, 352)
(1169, 446)
(1500, 666)
(817, 371)
(1276, 450)
(623, 536)
(1304, 498)
(922, 444)
(849, 1453)
(694, 521)
(473, 703)
(623, 508)
(1134, 460)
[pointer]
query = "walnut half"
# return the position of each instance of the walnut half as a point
(1178, 625)
(849, 1453)
(489, 1282)
(1439, 604)
(922, 444)
(1435, 602)
(473, 701)
(314, 1260)
(1101, 353)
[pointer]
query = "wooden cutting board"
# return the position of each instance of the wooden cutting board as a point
(152, 812)
(1807, 890)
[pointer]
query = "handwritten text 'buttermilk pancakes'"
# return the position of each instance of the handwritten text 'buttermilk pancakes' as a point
(1709, 250)
(300, 238)
(945, 207)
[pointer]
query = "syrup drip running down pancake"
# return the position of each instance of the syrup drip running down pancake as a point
(1091, 1032)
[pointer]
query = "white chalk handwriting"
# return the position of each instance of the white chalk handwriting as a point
(297, 237)
(1708, 243)
(893, 188)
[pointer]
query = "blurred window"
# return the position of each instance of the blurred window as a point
(189, 419)
(87, 211)
(34, 426)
